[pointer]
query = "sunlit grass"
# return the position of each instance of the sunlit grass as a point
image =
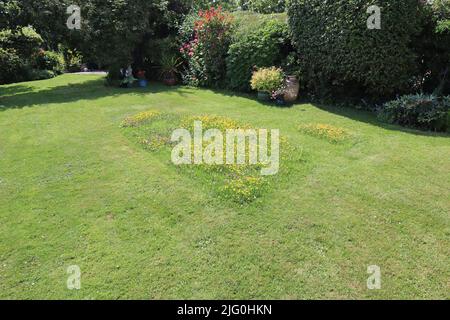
(77, 189)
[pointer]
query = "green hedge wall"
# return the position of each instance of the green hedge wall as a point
(263, 6)
(341, 56)
(262, 46)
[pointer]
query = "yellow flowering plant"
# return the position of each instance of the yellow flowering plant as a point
(267, 79)
(140, 118)
(325, 131)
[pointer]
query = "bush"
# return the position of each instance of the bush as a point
(22, 60)
(155, 53)
(425, 112)
(49, 60)
(433, 47)
(206, 51)
(72, 60)
(26, 41)
(263, 47)
(263, 6)
(341, 57)
(12, 67)
(36, 74)
(267, 79)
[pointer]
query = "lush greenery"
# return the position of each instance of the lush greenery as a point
(267, 79)
(22, 58)
(263, 6)
(421, 111)
(76, 190)
(256, 48)
(435, 49)
(342, 58)
(207, 48)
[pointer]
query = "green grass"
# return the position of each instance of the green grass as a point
(76, 190)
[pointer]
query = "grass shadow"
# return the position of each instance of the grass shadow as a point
(369, 117)
(250, 96)
(14, 89)
(24, 95)
(34, 94)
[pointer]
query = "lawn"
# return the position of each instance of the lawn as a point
(76, 189)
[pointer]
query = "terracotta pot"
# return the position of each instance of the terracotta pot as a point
(292, 89)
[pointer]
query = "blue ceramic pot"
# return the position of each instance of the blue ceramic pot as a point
(280, 101)
(263, 96)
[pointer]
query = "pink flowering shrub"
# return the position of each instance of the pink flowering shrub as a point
(206, 50)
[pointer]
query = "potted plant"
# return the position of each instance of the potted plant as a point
(279, 96)
(141, 78)
(127, 79)
(169, 69)
(267, 81)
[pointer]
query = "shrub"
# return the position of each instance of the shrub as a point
(262, 47)
(433, 47)
(72, 60)
(155, 54)
(425, 112)
(246, 22)
(207, 48)
(12, 67)
(263, 6)
(267, 79)
(21, 59)
(26, 41)
(36, 74)
(50, 60)
(342, 57)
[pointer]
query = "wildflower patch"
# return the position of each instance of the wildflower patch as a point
(140, 118)
(239, 177)
(325, 131)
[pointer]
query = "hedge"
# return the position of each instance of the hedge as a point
(25, 41)
(263, 6)
(11, 66)
(341, 56)
(261, 47)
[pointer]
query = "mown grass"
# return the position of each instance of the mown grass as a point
(75, 190)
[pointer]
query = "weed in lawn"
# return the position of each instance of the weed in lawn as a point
(140, 118)
(242, 183)
(325, 131)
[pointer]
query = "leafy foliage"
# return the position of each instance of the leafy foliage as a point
(49, 60)
(72, 58)
(263, 6)
(20, 58)
(26, 41)
(262, 47)
(11, 66)
(267, 79)
(125, 27)
(426, 112)
(342, 57)
(206, 51)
